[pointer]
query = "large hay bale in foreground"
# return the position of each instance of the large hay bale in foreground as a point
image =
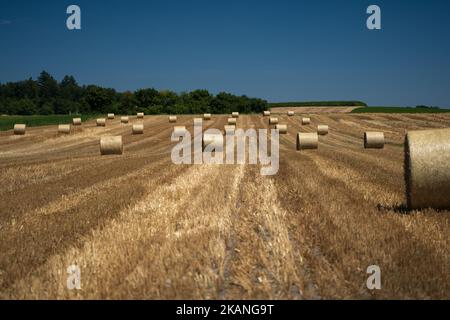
(138, 128)
(282, 128)
(64, 128)
(266, 113)
(76, 121)
(20, 129)
(427, 169)
(140, 115)
(273, 121)
(373, 140)
(290, 113)
(179, 130)
(124, 119)
(207, 116)
(111, 145)
(172, 119)
(307, 140)
(101, 122)
(322, 129)
(232, 121)
(235, 114)
(306, 121)
(111, 116)
(209, 138)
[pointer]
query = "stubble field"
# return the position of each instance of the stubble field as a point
(140, 227)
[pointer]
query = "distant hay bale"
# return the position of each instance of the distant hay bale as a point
(101, 122)
(290, 113)
(235, 115)
(64, 129)
(198, 121)
(111, 145)
(266, 113)
(229, 129)
(322, 129)
(282, 128)
(140, 115)
(232, 121)
(179, 130)
(307, 140)
(172, 119)
(209, 138)
(427, 169)
(110, 116)
(19, 129)
(306, 121)
(138, 128)
(273, 121)
(373, 140)
(207, 116)
(76, 121)
(124, 119)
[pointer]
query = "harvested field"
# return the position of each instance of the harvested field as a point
(299, 110)
(140, 227)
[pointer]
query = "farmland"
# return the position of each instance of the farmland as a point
(140, 227)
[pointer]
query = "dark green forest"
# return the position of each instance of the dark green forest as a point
(47, 96)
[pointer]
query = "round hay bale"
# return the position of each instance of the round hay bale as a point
(111, 145)
(198, 121)
(138, 128)
(179, 130)
(19, 129)
(140, 115)
(235, 115)
(307, 140)
(290, 113)
(306, 121)
(373, 140)
(232, 121)
(282, 128)
(273, 120)
(322, 129)
(172, 119)
(110, 116)
(266, 113)
(76, 121)
(124, 119)
(209, 138)
(207, 116)
(101, 122)
(427, 169)
(229, 129)
(64, 129)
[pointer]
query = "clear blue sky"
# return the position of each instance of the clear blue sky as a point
(277, 50)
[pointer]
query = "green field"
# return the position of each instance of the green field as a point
(7, 122)
(399, 110)
(318, 104)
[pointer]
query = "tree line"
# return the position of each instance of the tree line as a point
(46, 96)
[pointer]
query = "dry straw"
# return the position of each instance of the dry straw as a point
(76, 121)
(322, 129)
(291, 113)
(138, 128)
(235, 114)
(232, 121)
(207, 116)
(140, 115)
(266, 113)
(124, 119)
(427, 169)
(172, 119)
(307, 140)
(101, 122)
(282, 128)
(209, 138)
(229, 129)
(373, 140)
(179, 130)
(273, 120)
(19, 129)
(64, 128)
(111, 145)
(110, 116)
(306, 121)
